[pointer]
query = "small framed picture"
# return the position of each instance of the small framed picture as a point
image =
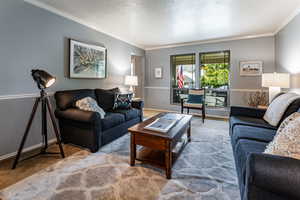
(251, 68)
(158, 72)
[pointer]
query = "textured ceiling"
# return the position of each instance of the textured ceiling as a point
(152, 23)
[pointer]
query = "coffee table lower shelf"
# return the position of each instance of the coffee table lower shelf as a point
(157, 158)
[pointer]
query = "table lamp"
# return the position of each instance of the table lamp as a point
(131, 81)
(275, 81)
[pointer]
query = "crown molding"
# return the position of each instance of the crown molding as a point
(210, 41)
(288, 20)
(44, 6)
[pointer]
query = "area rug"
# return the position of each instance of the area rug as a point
(205, 171)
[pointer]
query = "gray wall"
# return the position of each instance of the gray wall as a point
(287, 45)
(30, 37)
(157, 94)
(139, 70)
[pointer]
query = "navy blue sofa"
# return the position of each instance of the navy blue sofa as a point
(87, 129)
(262, 176)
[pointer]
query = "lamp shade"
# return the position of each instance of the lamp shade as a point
(131, 80)
(42, 78)
(281, 80)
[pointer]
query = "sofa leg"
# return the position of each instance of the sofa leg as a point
(93, 150)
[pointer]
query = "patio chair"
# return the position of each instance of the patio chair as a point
(195, 100)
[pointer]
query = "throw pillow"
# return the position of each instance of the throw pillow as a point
(106, 98)
(277, 108)
(123, 101)
(193, 98)
(287, 139)
(89, 104)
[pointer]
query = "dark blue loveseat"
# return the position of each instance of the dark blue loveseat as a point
(262, 176)
(86, 128)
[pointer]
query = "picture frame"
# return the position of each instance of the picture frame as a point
(87, 60)
(158, 72)
(251, 68)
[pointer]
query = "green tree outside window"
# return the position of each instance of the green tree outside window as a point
(215, 75)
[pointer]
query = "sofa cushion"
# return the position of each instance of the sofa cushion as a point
(66, 99)
(249, 121)
(242, 150)
(129, 114)
(293, 107)
(106, 98)
(252, 133)
(111, 120)
(287, 140)
(278, 107)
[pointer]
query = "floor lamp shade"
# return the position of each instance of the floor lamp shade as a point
(275, 81)
(42, 78)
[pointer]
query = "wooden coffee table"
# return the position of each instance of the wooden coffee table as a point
(159, 149)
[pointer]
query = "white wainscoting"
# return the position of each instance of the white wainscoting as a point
(23, 96)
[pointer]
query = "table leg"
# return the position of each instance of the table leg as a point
(168, 160)
(132, 150)
(189, 133)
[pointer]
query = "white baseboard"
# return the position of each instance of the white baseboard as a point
(13, 154)
(196, 114)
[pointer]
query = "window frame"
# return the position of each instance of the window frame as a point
(229, 67)
(198, 74)
(171, 74)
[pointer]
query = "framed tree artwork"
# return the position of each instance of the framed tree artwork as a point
(87, 60)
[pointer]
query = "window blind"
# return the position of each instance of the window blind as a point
(183, 59)
(215, 57)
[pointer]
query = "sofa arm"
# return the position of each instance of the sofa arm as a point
(78, 115)
(247, 111)
(276, 175)
(138, 104)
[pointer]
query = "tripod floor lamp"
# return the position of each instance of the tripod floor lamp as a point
(43, 80)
